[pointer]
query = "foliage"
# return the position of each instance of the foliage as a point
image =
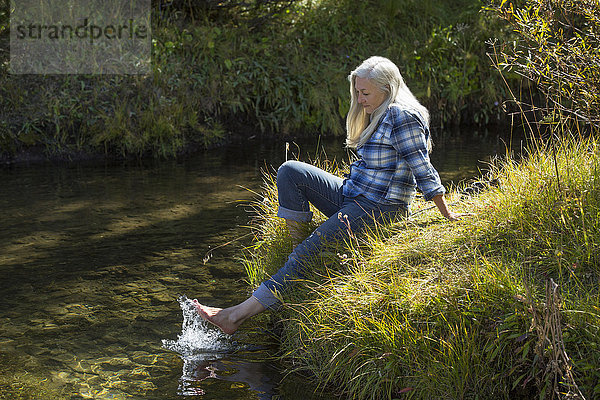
(252, 12)
(430, 309)
(214, 75)
(4, 16)
(559, 50)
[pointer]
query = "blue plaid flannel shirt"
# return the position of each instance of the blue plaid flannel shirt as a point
(394, 162)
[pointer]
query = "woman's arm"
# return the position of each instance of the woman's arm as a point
(440, 202)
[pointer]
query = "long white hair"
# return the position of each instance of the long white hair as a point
(385, 75)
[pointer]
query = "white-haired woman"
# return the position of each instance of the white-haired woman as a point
(389, 129)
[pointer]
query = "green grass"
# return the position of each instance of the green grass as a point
(425, 308)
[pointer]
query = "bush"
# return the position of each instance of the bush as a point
(558, 50)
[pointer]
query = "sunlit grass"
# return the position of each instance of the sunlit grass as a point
(425, 308)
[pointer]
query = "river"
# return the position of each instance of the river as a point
(93, 258)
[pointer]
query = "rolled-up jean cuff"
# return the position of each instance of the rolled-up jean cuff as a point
(300, 216)
(266, 297)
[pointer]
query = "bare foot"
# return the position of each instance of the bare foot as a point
(229, 319)
(219, 317)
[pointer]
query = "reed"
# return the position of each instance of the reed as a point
(501, 305)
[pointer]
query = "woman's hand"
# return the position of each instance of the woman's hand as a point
(452, 216)
(443, 207)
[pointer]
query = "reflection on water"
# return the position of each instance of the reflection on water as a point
(201, 367)
(93, 259)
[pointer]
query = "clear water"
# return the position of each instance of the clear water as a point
(93, 260)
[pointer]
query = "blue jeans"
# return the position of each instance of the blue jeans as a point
(298, 185)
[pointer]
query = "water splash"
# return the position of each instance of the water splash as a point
(196, 337)
(198, 345)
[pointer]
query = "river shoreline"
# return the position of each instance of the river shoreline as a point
(37, 155)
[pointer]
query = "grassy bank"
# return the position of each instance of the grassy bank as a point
(215, 73)
(505, 304)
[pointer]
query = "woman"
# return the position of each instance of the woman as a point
(389, 129)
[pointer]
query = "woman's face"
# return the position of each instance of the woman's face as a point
(368, 95)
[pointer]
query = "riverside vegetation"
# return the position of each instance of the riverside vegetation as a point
(505, 304)
(259, 68)
(501, 305)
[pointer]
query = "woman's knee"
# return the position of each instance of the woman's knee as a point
(289, 168)
(289, 172)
